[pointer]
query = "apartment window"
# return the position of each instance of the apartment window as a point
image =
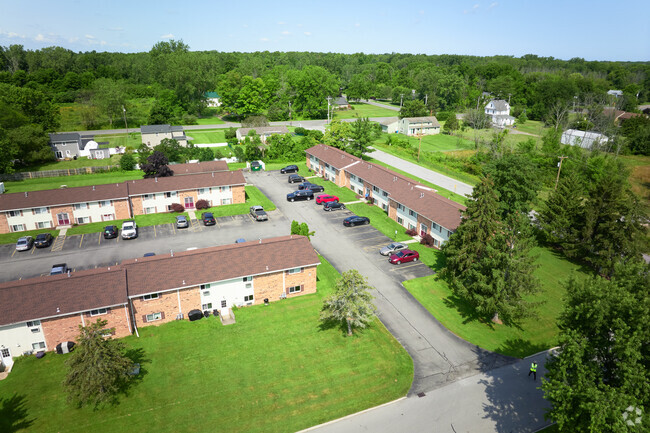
(401, 207)
(375, 189)
(248, 298)
(39, 210)
(78, 206)
(384, 193)
(206, 293)
(435, 226)
(205, 286)
(170, 194)
(104, 203)
(249, 285)
(99, 312)
(151, 296)
(413, 213)
(225, 188)
(83, 220)
(153, 317)
(203, 190)
(226, 201)
(33, 323)
(295, 289)
(44, 224)
(400, 221)
(294, 271)
(224, 304)
(411, 226)
(360, 191)
(207, 306)
(148, 197)
(14, 213)
(353, 177)
(18, 228)
(38, 346)
(108, 217)
(149, 210)
(448, 233)
(247, 279)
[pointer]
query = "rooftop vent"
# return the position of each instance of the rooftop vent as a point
(267, 267)
(155, 179)
(93, 187)
(25, 193)
(421, 195)
(58, 310)
(183, 282)
(213, 174)
(394, 178)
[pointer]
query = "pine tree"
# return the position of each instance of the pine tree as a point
(98, 368)
(351, 302)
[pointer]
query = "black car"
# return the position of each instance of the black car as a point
(43, 240)
(333, 205)
(311, 186)
(208, 219)
(355, 221)
(301, 194)
(289, 169)
(110, 232)
(295, 178)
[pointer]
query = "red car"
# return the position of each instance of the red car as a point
(404, 256)
(325, 198)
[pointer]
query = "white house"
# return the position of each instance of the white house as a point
(213, 99)
(584, 139)
(419, 125)
(499, 112)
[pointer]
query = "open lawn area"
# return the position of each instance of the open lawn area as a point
(534, 334)
(253, 197)
(344, 194)
(639, 167)
(379, 220)
(70, 181)
(137, 113)
(364, 110)
(434, 143)
(532, 127)
(11, 238)
(74, 163)
(213, 120)
(131, 140)
(276, 370)
(206, 136)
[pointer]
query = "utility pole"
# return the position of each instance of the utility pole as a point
(125, 124)
(426, 99)
(329, 98)
(290, 124)
(559, 167)
(419, 135)
(401, 100)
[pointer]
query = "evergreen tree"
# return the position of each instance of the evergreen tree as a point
(351, 302)
(98, 367)
(516, 181)
(451, 124)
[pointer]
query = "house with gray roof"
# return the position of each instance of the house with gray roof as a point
(499, 112)
(390, 125)
(152, 135)
(411, 126)
(68, 144)
(263, 131)
(341, 103)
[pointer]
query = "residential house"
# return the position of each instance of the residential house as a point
(499, 112)
(36, 314)
(68, 144)
(584, 139)
(615, 93)
(406, 201)
(341, 103)
(45, 209)
(152, 135)
(213, 99)
(263, 131)
(419, 126)
(390, 125)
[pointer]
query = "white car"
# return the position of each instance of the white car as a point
(392, 248)
(129, 230)
(25, 243)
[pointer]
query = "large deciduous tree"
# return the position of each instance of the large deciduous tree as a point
(516, 181)
(413, 108)
(156, 166)
(351, 302)
(361, 135)
(98, 369)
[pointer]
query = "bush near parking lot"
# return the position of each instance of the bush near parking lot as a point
(177, 207)
(202, 204)
(411, 232)
(427, 240)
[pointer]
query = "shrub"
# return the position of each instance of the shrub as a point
(177, 207)
(127, 162)
(300, 131)
(202, 204)
(230, 133)
(411, 232)
(427, 240)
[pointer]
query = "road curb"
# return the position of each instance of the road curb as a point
(547, 351)
(350, 416)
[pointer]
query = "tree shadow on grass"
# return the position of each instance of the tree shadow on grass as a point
(465, 309)
(520, 348)
(138, 356)
(14, 414)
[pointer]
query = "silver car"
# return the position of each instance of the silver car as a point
(392, 248)
(25, 243)
(181, 222)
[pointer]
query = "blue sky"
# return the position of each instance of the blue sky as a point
(594, 30)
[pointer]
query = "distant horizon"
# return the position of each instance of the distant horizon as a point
(593, 31)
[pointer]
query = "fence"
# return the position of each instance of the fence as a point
(53, 173)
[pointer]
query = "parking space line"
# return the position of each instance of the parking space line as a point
(404, 266)
(81, 240)
(154, 231)
(12, 254)
(173, 229)
(32, 251)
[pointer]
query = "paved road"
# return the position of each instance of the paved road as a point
(379, 104)
(504, 399)
(423, 173)
(439, 357)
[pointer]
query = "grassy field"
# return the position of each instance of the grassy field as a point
(534, 334)
(379, 220)
(207, 136)
(344, 194)
(137, 112)
(435, 143)
(276, 370)
(131, 140)
(70, 181)
(253, 197)
(74, 163)
(364, 110)
(214, 120)
(639, 167)
(532, 127)
(11, 238)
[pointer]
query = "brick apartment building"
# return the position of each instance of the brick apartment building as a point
(36, 314)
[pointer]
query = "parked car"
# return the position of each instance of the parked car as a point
(333, 205)
(240, 241)
(311, 186)
(60, 268)
(404, 256)
(355, 220)
(25, 243)
(208, 219)
(110, 232)
(258, 213)
(181, 222)
(289, 169)
(129, 230)
(301, 194)
(326, 198)
(295, 178)
(391, 249)
(43, 240)
(149, 254)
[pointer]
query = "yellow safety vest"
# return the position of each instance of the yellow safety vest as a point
(533, 367)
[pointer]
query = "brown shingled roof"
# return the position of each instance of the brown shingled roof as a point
(188, 268)
(180, 183)
(62, 196)
(58, 295)
(333, 156)
(199, 167)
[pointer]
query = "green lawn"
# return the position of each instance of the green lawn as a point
(11, 238)
(70, 181)
(532, 127)
(214, 120)
(364, 110)
(379, 220)
(276, 370)
(131, 140)
(435, 143)
(344, 194)
(206, 136)
(534, 334)
(74, 163)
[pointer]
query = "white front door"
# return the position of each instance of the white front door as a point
(5, 357)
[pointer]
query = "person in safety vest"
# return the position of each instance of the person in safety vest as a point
(533, 370)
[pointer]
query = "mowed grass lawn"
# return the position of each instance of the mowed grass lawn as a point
(344, 194)
(379, 220)
(276, 370)
(131, 140)
(74, 163)
(206, 136)
(534, 334)
(70, 181)
(364, 110)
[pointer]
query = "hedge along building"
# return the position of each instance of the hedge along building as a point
(48, 209)
(39, 313)
(406, 201)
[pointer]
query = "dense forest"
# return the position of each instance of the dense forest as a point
(35, 83)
